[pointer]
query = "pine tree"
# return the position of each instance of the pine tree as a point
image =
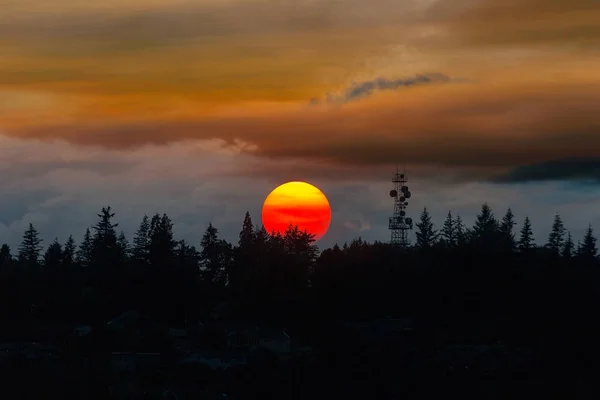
(124, 247)
(526, 240)
(68, 254)
(187, 256)
(588, 249)
(556, 238)
(105, 249)
(569, 247)
(426, 234)
(53, 256)
(506, 230)
(214, 257)
(5, 256)
(84, 255)
(448, 231)
(247, 232)
(486, 229)
(161, 250)
(30, 248)
(460, 231)
(141, 242)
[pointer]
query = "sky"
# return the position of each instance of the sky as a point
(199, 109)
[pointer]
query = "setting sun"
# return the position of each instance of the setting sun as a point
(297, 203)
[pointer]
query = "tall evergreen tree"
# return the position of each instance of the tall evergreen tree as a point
(460, 231)
(5, 256)
(54, 255)
(569, 247)
(214, 257)
(448, 231)
(161, 250)
(426, 234)
(526, 241)
(486, 228)
(556, 238)
(30, 248)
(105, 249)
(84, 255)
(141, 242)
(247, 232)
(506, 230)
(588, 249)
(124, 247)
(68, 254)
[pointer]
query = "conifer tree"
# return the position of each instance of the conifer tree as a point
(124, 247)
(5, 256)
(506, 230)
(486, 227)
(588, 249)
(247, 232)
(105, 249)
(214, 257)
(569, 247)
(161, 250)
(53, 256)
(30, 248)
(526, 240)
(448, 231)
(556, 238)
(68, 254)
(426, 234)
(141, 242)
(460, 231)
(84, 255)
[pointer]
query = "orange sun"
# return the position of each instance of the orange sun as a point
(297, 203)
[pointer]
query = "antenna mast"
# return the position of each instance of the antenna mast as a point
(399, 223)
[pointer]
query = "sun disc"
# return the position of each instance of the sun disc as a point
(297, 203)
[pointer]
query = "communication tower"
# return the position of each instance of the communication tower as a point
(399, 223)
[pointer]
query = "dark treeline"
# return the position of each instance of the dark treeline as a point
(487, 283)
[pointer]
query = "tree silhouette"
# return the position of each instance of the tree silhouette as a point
(506, 230)
(526, 240)
(105, 248)
(84, 255)
(68, 254)
(141, 242)
(54, 255)
(588, 250)
(124, 247)
(426, 234)
(5, 256)
(214, 257)
(448, 232)
(161, 248)
(569, 247)
(461, 231)
(485, 232)
(30, 248)
(556, 238)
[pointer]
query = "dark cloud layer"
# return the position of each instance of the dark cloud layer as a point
(573, 169)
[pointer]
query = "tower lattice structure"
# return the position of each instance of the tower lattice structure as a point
(399, 223)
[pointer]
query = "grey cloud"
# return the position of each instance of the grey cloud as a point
(574, 169)
(363, 89)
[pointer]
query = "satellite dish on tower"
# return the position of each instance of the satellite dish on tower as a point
(402, 198)
(404, 189)
(407, 195)
(393, 193)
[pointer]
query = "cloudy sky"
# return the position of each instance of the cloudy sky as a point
(199, 108)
